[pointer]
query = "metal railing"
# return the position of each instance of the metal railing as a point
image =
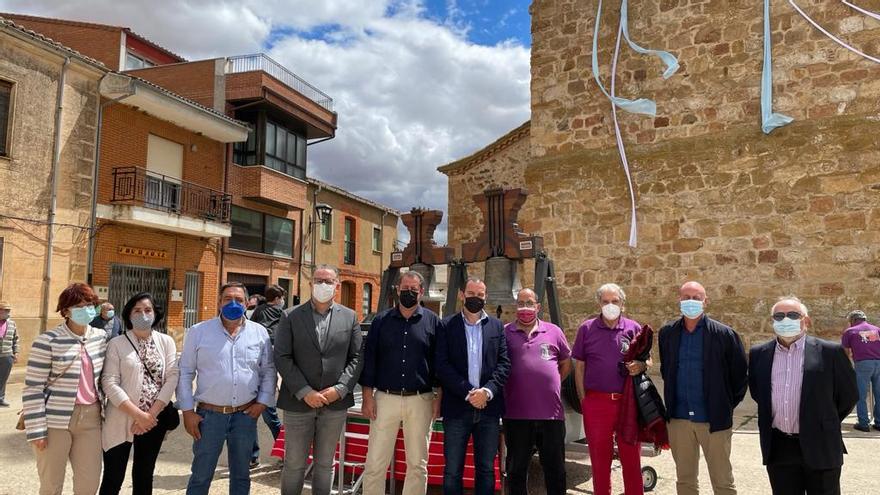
(136, 185)
(260, 61)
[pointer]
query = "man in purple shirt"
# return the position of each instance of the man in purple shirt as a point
(804, 388)
(598, 351)
(862, 343)
(534, 416)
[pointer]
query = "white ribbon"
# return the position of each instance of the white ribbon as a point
(769, 119)
(834, 38)
(866, 12)
(633, 231)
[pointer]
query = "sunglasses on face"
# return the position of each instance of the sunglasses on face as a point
(791, 315)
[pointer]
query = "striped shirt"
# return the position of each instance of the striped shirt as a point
(785, 386)
(50, 354)
(9, 342)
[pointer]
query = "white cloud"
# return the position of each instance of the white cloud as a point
(412, 93)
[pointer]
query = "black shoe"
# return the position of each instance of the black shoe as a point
(864, 428)
(255, 463)
(3, 403)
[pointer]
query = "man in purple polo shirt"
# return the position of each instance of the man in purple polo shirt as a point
(534, 417)
(862, 343)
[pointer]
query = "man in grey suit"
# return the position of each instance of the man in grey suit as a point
(318, 355)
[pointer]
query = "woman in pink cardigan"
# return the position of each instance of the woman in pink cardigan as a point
(140, 375)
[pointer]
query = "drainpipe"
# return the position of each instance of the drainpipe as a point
(53, 196)
(93, 221)
(313, 227)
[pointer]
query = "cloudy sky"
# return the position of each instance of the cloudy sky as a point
(416, 83)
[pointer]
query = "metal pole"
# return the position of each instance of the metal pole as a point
(53, 196)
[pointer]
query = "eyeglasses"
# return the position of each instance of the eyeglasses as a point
(328, 281)
(526, 304)
(791, 315)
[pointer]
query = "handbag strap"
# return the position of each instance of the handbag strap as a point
(136, 351)
(66, 368)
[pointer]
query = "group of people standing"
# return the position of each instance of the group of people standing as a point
(481, 376)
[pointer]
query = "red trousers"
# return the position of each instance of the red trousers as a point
(600, 417)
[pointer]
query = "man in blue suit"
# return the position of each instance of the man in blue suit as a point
(472, 367)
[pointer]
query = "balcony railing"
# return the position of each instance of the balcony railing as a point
(259, 61)
(136, 185)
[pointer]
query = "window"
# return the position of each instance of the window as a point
(368, 300)
(133, 62)
(5, 117)
(349, 257)
(245, 152)
(377, 239)
(327, 228)
(261, 233)
(285, 150)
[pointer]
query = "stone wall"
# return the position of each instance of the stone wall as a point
(752, 216)
(25, 176)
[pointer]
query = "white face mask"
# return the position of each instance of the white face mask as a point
(323, 292)
(142, 321)
(611, 312)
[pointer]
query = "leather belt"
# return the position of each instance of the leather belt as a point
(793, 436)
(607, 395)
(224, 409)
(406, 393)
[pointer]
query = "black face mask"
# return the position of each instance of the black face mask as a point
(409, 298)
(474, 304)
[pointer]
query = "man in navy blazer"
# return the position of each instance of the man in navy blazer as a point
(472, 367)
(804, 388)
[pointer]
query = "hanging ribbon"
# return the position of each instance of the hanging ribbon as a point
(833, 38)
(633, 231)
(642, 105)
(769, 120)
(866, 12)
(667, 58)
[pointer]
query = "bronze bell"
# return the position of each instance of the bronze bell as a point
(427, 272)
(502, 281)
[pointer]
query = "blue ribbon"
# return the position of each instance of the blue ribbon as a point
(642, 105)
(769, 120)
(667, 58)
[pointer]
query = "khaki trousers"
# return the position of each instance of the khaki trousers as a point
(81, 444)
(686, 438)
(415, 412)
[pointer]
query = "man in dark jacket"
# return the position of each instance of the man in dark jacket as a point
(705, 377)
(804, 388)
(472, 367)
(269, 314)
(107, 321)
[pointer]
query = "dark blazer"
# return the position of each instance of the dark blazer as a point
(301, 362)
(828, 395)
(451, 362)
(725, 369)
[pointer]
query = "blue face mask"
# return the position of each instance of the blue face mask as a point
(111, 314)
(787, 327)
(691, 308)
(233, 310)
(82, 316)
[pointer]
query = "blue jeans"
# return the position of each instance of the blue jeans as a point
(868, 372)
(238, 431)
(270, 417)
(485, 430)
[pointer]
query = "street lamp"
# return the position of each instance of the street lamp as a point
(322, 211)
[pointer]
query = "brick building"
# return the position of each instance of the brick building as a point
(357, 237)
(753, 216)
(35, 124)
(264, 175)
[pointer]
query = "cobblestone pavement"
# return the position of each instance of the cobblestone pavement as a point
(19, 476)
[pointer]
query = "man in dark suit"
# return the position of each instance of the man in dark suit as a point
(318, 355)
(472, 367)
(804, 388)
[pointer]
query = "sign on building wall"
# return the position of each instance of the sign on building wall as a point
(158, 254)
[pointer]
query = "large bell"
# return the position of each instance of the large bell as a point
(502, 281)
(427, 272)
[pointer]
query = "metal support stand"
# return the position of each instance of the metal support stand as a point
(386, 292)
(545, 284)
(455, 283)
